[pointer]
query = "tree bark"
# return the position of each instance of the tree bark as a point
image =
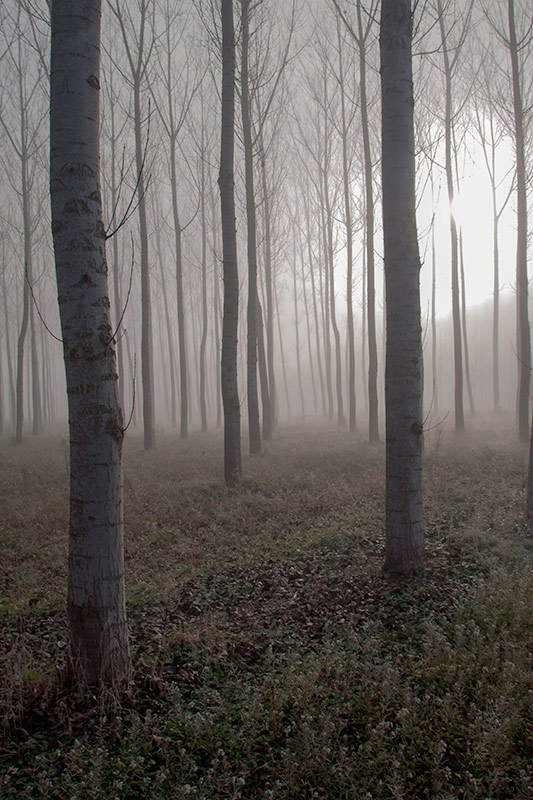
(522, 289)
(230, 394)
(269, 306)
(96, 600)
(350, 333)
(373, 422)
(404, 548)
(146, 303)
(254, 430)
(456, 311)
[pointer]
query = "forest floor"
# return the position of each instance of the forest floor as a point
(271, 656)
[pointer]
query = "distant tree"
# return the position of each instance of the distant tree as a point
(451, 51)
(173, 89)
(507, 30)
(361, 34)
(254, 430)
(22, 125)
(230, 393)
(404, 546)
(491, 133)
(96, 600)
(134, 21)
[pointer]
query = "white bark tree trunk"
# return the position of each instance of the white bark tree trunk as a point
(96, 603)
(230, 394)
(404, 547)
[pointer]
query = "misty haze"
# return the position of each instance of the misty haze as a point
(266, 459)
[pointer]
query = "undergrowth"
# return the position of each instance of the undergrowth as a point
(271, 657)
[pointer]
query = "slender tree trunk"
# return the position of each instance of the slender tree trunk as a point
(96, 600)
(373, 421)
(435, 392)
(456, 312)
(12, 392)
(146, 303)
(182, 340)
(350, 332)
(133, 379)
(315, 310)
(254, 431)
(325, 292)
(268, 289)
(404, 547)
(45, 379)
(203, 343)
(114, 246)
(26, 221)
(282, 353)
(37, 416)
(230, 394)
(263, 375)
(297, 330)
(465, 332)
(216, 292)
(495, 306)
(364, 306)
(170, 337)
(522, 289)
(307, 321)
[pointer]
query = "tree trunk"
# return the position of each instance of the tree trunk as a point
(254, 431)
(216, 293)
(307, 320)
(146, 305)
(12, 392)
(263, 376)
(26, 221)
(350, 333)
(203, 343)
(182, 343)
(522, 288)
(269, 322)
(315, 309)
(114, 243)
(297, 330)
(373, 421)
(282, 353)
(435, 394)
(96, 601)
(404, 547)
(37, 416)
(324, 291)
(456, 311)
(169, 331)
(495, 306)
(465, 332)
(230, 394)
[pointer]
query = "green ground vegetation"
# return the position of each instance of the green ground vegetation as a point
(272, 658)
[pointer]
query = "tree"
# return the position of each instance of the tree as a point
(404, 547)
(25, 146)
(173, 83)
(515, 45)
(491, 134)
(96, 600)
(450, 63)
(230, 393)
(254, 430)
(361, 37)
(138, 52)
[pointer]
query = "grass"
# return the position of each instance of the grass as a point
(272, 658)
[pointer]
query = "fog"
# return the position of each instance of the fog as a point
(296, 86)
